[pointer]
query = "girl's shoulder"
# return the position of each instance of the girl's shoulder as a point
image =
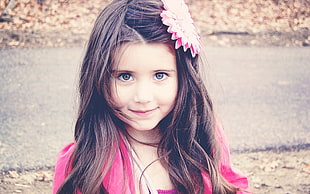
(61, 169)
(66, 151)
(63, 156)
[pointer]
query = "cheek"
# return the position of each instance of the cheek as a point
(169, 94)
(172, 98)
(119, 96)
(114, 94)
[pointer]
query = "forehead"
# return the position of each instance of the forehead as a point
(141, 55)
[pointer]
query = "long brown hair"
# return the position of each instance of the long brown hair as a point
(188, 145)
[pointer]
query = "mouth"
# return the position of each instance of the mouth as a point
(143, 112)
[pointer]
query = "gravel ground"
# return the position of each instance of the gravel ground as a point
(268, 172)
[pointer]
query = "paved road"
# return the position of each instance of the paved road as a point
(262, 97)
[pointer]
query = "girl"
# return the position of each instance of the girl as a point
(145, 123)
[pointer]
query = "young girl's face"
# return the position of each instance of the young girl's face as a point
(144, 84)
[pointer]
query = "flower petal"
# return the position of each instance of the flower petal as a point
(180, 24)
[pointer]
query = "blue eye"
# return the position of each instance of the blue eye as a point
(160, 76)
(125, 77)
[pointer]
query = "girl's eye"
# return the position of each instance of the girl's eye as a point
(160, 76)
(125, 77)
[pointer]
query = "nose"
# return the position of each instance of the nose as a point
(143, 92)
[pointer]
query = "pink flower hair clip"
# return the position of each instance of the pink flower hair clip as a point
(181, 25)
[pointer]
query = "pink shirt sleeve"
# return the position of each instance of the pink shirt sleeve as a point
(61, 166)
(113, 181)
(231, 175)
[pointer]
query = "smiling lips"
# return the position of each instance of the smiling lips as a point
(143, 113)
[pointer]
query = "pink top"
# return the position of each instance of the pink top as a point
(112, 181)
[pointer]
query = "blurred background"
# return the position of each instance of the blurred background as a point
(225, 23)
(258, 67)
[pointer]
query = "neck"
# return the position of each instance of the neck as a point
(148, 138)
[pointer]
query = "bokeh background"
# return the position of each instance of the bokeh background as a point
(225, 23)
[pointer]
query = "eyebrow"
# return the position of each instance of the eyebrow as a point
(124, 71)
(169, 70)
(128, 71)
